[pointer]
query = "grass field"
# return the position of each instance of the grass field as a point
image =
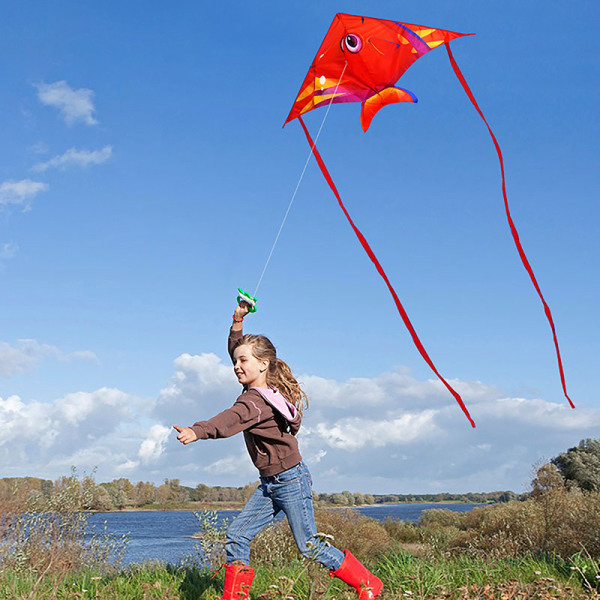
(404, 575)
(547, 547)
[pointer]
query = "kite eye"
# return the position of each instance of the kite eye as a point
(352, 42)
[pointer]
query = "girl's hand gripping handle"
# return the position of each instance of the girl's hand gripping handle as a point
(245, 297)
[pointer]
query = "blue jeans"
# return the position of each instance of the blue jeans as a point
(290, 492)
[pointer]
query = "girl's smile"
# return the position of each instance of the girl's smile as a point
(250, 371)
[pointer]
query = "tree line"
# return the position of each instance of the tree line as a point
(122, 494)
(579, 467)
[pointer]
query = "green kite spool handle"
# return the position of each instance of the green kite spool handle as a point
(248, 299)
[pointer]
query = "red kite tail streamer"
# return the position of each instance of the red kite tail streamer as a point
(380, 270)
(513, 229)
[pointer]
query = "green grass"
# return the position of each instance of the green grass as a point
(404, 575)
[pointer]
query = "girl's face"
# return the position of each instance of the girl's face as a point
(250, 371)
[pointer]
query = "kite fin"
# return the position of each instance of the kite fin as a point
(511, 223)
(389, 95)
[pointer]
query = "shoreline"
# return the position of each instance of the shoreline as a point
(239, 506)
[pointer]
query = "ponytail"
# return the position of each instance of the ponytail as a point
(279, 374)
(283, 379)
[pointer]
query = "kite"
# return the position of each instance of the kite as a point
(360, 60)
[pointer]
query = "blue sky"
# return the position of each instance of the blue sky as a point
(144, 174)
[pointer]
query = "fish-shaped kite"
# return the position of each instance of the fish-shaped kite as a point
(360, 60)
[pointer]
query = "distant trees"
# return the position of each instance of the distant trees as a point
(473, 497)
(345, 498)
(122, 494)
(204, 493)
(144, 493)
(578, 466)
(117, 494)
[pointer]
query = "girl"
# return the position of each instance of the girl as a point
(269, 413)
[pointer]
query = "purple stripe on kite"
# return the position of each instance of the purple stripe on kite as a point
(329, 90)
(341, 95)
(349, 98)
(418, 44)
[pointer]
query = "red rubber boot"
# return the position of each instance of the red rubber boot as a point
(354, 573)
(238, 580)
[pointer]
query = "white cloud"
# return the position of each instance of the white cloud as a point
(231, 465)
(411, 436)
(366, 394)
(388, 433)
(83, 429)
(354, 433)
(74, 105)
(128, 465)
(407, 436)
(78, 407)
(199, 383)
(25, 355)
(536, 412)
(84, 459)
(118, 433)
(12, 413)
(154, 445)
(199, 373)
(78, 158)
(20, 193)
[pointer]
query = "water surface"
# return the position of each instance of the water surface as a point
(167, 535)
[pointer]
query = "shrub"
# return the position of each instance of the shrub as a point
(55, 536)
(402, 531)
(439, 518)
(364, 537)
(554, 521)
(345, 529)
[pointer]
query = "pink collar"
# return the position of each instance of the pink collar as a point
(279, 402)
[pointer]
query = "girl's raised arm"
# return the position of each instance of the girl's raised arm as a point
(235, 333)
(241, 310)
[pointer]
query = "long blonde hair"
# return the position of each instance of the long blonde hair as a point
(279, 374)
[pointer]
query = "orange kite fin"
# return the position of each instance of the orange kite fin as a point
(388, 95)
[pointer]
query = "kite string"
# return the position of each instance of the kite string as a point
(299, 181)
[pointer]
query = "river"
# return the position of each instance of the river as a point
(167, 535)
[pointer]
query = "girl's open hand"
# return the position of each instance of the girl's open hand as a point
(186, 434)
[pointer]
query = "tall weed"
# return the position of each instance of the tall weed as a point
(55, 536)
(212, 537)
(366, 538)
